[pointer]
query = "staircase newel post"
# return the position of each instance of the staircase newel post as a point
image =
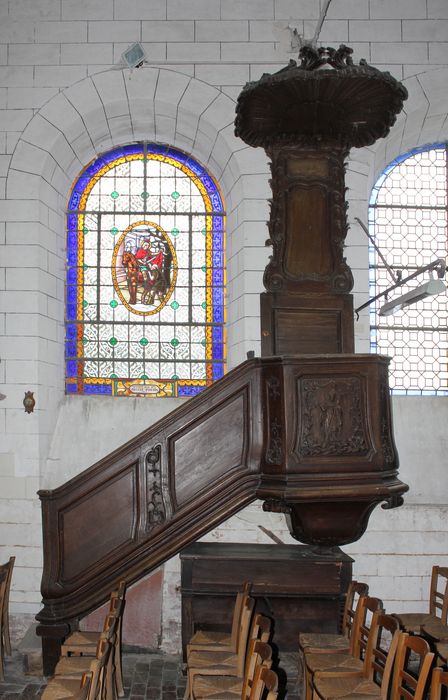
(53, 636)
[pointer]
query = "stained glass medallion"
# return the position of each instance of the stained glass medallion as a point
(145, 307)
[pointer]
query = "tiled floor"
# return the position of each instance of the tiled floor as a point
(146, 677)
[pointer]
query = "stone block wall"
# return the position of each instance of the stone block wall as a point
(64, 98)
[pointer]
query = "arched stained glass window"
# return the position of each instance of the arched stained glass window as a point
(145, 275)
(408, 218)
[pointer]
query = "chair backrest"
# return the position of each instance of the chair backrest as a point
(383, 630)
(265, 680)
(241, 598)
(412, 666)
(355, 590)
(439, 680)
(358, 619)
(369, 606)
(3, 582)
(259, 654)
(98, 669)
(438, 594)
(243, 634)
(10, 567)
(260, 627)
(84, 689)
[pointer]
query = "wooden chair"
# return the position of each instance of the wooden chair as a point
(439, 680)
(84, 643)
(266, 681)
(230, 687)
(435, 621)
(376, 675)
(204, 640)
(75, 666)
(60, 687)
(84, 688)
(407, 682)
(409, 678)
(4, 609)
(226, 663)
(315, 642)
(352, 663)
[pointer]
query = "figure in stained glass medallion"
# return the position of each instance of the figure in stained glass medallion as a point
(143, 272)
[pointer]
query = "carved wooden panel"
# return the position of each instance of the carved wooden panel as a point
(305, 331)
(207, 444)
(305, 324)
(94, 527)
(155, 503)
(332, 419)
(307, 234)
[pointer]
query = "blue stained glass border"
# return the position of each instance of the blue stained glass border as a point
(105, 389)
(184, 391)
(217, 350)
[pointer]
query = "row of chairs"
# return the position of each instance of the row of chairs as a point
(371, 657)
(5, 586)
(90, 664)
(434, 624)
(237, 664)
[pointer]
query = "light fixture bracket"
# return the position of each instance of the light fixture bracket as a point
(430, 288)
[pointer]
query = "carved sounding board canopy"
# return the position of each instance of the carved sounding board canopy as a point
(326, 99)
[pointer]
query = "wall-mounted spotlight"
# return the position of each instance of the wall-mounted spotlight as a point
(423, 291)
(134, 56)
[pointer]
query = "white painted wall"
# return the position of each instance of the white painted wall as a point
(64, 99)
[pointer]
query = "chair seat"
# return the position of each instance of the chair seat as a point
(224, 661)
(436, 629)
(412, 622)
(72, 666)
(210, 637)
(343, 687)
(338, 663)
(217, 687)
(81, 639)
(315, 643)
(60, 688)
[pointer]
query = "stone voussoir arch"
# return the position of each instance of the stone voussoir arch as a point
(119, 106)
(115, 107)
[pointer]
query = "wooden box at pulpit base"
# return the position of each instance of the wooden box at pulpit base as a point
(301, 590)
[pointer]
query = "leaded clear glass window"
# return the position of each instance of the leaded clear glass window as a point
(408, 218)
(145, 303)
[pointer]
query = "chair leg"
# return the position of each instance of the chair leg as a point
(6, 635)
(111, 688)
(118, 673)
